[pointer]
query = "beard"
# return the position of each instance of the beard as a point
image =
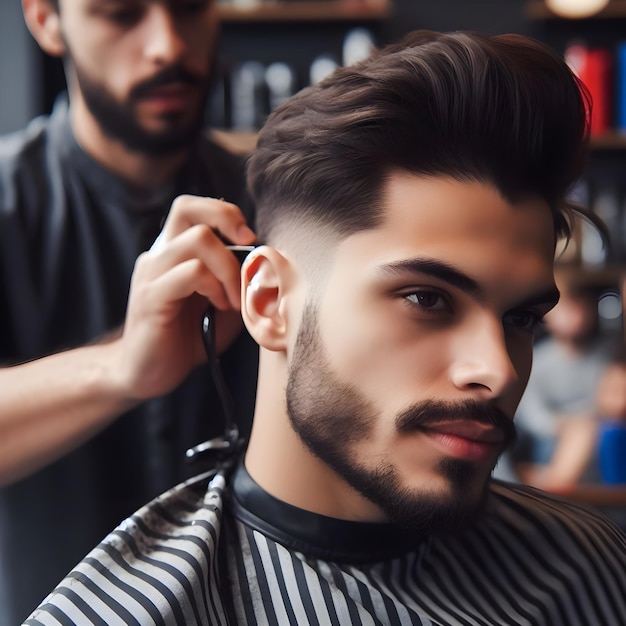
(331, 417)
(118, 120)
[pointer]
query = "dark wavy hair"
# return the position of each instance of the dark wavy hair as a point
(504, 110)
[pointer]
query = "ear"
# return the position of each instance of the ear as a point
(44, 24)
(266, 282)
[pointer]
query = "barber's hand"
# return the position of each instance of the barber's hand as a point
(171, 287)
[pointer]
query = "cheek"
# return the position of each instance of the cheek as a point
(391, 363)
(202, 45)
(107, 65)
(118, 80)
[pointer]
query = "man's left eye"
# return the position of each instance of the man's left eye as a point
(525, 320)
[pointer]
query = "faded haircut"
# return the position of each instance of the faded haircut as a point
(503, 110)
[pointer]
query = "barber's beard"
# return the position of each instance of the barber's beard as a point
(332, 417)
(118, 120)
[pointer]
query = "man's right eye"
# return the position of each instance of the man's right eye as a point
(428, 300)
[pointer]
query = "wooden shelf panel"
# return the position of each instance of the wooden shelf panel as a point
(239, 142)
(597, 495)
(538, 10)
(296, 11)
(613, 141)
(590, 276)
(610, 141)
(245, 141)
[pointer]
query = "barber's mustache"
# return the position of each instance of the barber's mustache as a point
(173, 74)
(429, 413)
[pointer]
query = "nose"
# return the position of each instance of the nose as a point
(482, 363)
(164, 43)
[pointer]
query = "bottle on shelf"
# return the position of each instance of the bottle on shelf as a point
(620, 86)
(593, 65)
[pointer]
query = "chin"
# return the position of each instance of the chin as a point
(446, 500)
(450, 501)
(437, 511)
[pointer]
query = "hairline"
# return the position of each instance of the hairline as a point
(297, 228)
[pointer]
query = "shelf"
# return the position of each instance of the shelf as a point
(239, 142)
(245, 141)
(592, 275)
(297, 11)
(610, 141)
(597, 495)
(537, 10)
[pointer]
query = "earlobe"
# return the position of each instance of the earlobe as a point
(44, 24)
(264, 287)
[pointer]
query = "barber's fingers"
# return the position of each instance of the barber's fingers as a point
(201, 244)
(186, 279)
(223, 217)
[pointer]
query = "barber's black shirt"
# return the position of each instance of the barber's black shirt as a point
(70, 233)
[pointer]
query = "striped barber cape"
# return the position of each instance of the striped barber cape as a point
(219, 550)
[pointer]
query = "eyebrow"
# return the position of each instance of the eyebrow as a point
(455, 277)
(436, 269)
(550, 298)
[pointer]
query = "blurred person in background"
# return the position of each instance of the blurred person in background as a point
(87, 434)
(556, 418)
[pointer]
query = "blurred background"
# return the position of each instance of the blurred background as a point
(292, 32)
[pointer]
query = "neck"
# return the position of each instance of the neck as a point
(279, 461)
(138, 169)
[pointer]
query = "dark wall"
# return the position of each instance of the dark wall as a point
(490, 16)
(299, 43)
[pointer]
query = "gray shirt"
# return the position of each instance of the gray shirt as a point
(561, 385)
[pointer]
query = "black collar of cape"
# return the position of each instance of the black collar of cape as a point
(317, 536)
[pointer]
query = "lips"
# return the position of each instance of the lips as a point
(468, 440)
(173, 95)
(168, 90)
(468, 429)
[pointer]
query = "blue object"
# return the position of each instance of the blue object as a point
(612, 453)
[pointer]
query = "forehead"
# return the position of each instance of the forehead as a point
(129, 4)
(464, 224)
(98, 24)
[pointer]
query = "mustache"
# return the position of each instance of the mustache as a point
(167, 76)
(431, 412)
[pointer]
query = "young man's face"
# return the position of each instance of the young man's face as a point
(408, 368)
(143, 67)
